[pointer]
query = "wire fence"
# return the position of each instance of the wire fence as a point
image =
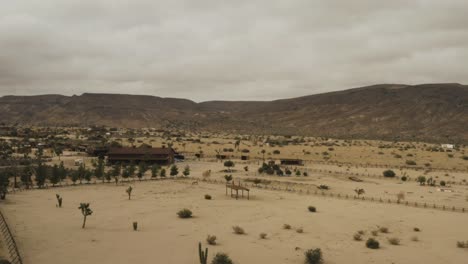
(10, 244)
(322, 193)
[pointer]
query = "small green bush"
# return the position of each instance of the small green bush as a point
(389, 173)
(211, 240)
(313, 256)
(312, 209)
(207, 197)
(221, 258)
(184, 213)
(372, 243)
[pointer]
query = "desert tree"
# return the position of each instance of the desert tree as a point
(228, 178)
(40, 174)
(125, 172)
(73, 176)
(129, 192)
(421, 180)
(4, 182)
(174, 170)
(162, 173)
(55, 175)
(186, 171)
(132, 169)
(81, 172)
(62, 171)
(359, 191)
(154, 170)
(229, 164)
(58, 151)
(99, 169)
(116, 170)
(142, 168)
(108, 176)
(88, 175)
(26, 176)
(85, 211)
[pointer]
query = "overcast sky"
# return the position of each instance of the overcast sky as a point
(230, 50)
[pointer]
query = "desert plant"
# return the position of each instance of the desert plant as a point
(421, 180)
(375, 232)
(59, 200)
(410, 162)
(228, 178)
(85, 211)
(211, 240)
(286, 226)
(383, 229)
(184, 213)
(174, 170)
(359, 191)
(462, 244)
(207, 197)
(312, 209)
(416, 229)
(415, 239)
(129, 192)
(238, 230)
(135, 226)
(300, 230)
(263, 235)
(186, 171)
(221, 258)
(229, 164)
(394, 241)
(313, 256)
(372, 243)
(404, 178)
(357, 236)
(389, 174)
(202, 255)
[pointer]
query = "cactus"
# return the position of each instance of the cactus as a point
(129, 192)
(85, 210)
(59, 200)
(203, 255)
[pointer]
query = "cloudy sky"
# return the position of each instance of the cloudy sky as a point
(231, 50)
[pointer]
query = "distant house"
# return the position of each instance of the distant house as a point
(448, 146)
(161, 156)
(292, 162)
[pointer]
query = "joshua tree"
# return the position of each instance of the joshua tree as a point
(359, 191)
(186, 171)
(202, 255)
(55, 177)
(59, 200)
(129, 192)
(85, 211)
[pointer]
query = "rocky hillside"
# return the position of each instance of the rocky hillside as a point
(429, 112)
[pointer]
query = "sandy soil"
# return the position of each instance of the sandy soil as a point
(47, 234)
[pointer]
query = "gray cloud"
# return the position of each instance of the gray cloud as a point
(234, 50)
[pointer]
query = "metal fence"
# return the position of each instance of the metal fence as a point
(10, 244)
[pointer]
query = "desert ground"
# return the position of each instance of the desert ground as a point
(48, 234)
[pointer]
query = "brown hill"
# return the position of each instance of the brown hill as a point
(429, 112)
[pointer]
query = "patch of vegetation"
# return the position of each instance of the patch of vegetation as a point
(312, 209)
(286, 226)
(207, 197)
(184, 213)
(389, 174)
(383, 229)
(300, 230)
(221, 258)
(411, 162)
(372, 243)
(263, 235)
(238, 230)
(313, 256)
(394, 241)
(211, 240)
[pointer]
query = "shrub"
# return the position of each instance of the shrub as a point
(389, 173)
(238, 230)
(211, 240)
(313, 256)
(286, 226)
(300, 230)
(416, 229)
(374, 232)
(312, 209)
(404, 178)
(442, 183)
(357, 236)
(263, 235)
(394, 241)
(135, 226)
(410, 162)
(383, 229)
(415, 239)
(372, 243)
(207, 197)
(462, 244)
(184, 213)
(221, 258)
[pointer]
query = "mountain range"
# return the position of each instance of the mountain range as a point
(426, 112)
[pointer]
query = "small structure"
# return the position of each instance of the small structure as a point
(448, 146)
(161, 156)
(233, 187)
(292, 162)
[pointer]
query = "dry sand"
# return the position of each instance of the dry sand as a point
(47, 234)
